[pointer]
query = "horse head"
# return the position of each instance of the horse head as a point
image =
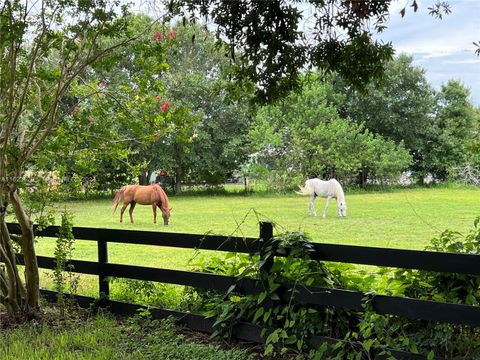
(166, 215)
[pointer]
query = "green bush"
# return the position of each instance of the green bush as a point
(145, 292)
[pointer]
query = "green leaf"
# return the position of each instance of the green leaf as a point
(299, 344)
(274, 296)
(368, 344)
(268, 349)
(292, 339)
(267, 315)
(272, 338)
(258, 313)
(261, 297)
(425, 284)
(230, 255)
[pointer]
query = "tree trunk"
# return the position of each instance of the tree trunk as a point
(149, 175)
(18, 298)
(178, 168)
(178, 180)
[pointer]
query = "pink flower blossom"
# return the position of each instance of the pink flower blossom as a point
(172, 34)
(158, 97)
(90, 119)
(165, 106)
(102, 84)
(157, 36)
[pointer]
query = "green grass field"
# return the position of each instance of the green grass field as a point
(406, 218)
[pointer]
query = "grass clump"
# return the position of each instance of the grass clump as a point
(103, 337)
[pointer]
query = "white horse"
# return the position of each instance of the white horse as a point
(325, 189)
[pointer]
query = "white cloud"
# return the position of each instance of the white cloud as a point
(442, 47)
(472, 61)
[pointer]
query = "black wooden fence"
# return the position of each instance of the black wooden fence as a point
(340, 298)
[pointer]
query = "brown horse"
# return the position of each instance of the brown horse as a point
(143, 195)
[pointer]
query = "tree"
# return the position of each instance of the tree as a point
(400, 110)
(45, 49)
(125, 115)
(455, 130)
(212, 142)
(304, 136)
(338, 36)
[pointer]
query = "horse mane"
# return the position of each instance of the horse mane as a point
(337, 189)
(163, 197)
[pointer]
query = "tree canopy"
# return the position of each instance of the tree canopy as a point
(305, 136)
(278, 40)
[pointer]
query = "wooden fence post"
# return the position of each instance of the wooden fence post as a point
(266, 235)
(103, 285)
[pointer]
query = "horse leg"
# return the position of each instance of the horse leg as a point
(122, 211)
(130, 211)
(154, 208)
(311, 209)
(326, 206)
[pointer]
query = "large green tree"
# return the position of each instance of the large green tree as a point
(212, 143)
(439, 129)
(305, 136)
(455, 141)
(400, 110)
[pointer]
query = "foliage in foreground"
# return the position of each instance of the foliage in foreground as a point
(102, 337)
(288, 324)
(46, 51)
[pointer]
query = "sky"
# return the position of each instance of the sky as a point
(444, 48)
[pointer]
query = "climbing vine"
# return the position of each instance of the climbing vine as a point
(65, 281)
(288, 325)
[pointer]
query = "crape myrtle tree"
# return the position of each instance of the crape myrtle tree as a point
(125, 115)
(46, 48)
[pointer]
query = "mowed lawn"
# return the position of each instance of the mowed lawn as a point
(406, 219)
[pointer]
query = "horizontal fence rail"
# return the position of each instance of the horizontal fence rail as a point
(398, 258)
(340, 298)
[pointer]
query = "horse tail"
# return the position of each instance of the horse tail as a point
(307, 190)
(118, 197)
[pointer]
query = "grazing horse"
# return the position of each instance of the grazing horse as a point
(143, 195)
(326, 189)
